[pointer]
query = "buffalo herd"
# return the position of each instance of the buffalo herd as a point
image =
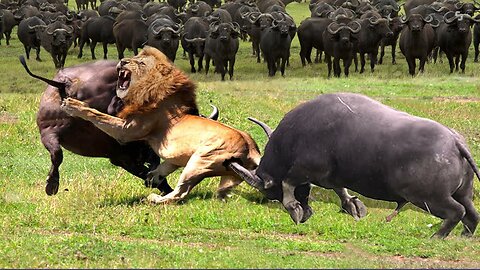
(337, 29)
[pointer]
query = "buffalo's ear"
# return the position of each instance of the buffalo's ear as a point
(234, 34)
(214, 34)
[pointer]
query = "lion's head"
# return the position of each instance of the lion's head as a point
(149, 81)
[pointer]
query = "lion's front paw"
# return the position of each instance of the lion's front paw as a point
(157, 199)
(73, 106)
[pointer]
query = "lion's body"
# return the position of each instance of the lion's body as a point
(160, 108)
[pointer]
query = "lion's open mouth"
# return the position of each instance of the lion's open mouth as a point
(124, 77)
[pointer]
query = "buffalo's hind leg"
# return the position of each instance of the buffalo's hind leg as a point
(351, 204)
(51, 142)
(464, 195)
(445, 208)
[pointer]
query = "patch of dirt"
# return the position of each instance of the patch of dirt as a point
(8, 118)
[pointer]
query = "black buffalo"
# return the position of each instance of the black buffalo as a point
(221, 45)
(97, 29)
(345, 140)
(339, 42)
(310, 34)
(275, 45)
(193, 40)
(373, 30)
(454, 38)
(131, 34)
(476, 37)
(57, 38)
(164, 35)
(416, 41)
(7, 23)
(28, 33)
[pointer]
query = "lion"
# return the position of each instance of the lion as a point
(160, 108)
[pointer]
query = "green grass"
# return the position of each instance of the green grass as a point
(100, 219)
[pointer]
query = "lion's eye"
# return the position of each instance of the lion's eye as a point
(142, 63)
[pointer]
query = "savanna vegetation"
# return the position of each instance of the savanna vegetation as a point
(100, 219)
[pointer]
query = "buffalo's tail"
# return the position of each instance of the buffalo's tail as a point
(60, 85)
(468, 156)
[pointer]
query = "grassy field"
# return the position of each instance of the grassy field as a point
(99, 217)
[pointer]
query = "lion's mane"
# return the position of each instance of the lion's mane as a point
(164, 85)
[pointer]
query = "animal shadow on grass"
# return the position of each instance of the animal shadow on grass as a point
(124, 200)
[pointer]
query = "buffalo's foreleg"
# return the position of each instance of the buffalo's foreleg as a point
(394, 46)
(301, 194)
(93, 44)
(105, 49)
(351, 204)
(464, 59)
(362, 63)
(27, 51)
(192, 62)
(52, 144)
(37, 49)
(382, 53)
(157, 176)
(293, 206)
(231, 65)
(328, 59)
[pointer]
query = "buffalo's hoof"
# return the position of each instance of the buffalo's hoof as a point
(295, 210)
(307, 213)
(355, 208)
(51, 188)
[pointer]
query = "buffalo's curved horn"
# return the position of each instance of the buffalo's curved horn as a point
(1, 13)
(450, 17)
(374, 20)
(60, 85)
(440, 9)
(396, 8)
(69, 29)
(389, 18)
(236, 27)
(404, 19)
(333, 28)
(353, 29)
(194, 39)
(143, 17)
(254, 16)
(264, 126)
(249, 176)
(459, 5)
(214, 114)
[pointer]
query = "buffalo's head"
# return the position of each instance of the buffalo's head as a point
(60, 36)
(460, 22)
(344, 30)
(380, 26)
(322, 10)
(416, 22)
(224, 31)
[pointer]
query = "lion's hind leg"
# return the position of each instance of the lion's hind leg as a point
(197, 169)
(227, 183)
